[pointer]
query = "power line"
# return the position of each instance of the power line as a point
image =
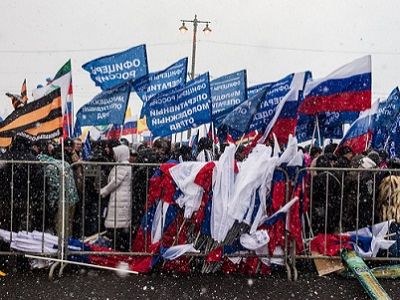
(298, 49)
(3, 51)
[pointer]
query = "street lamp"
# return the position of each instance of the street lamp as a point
(183, 29)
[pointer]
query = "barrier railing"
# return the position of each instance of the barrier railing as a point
(342, 201)
(24, 202)
(84, 220)
(95, 169)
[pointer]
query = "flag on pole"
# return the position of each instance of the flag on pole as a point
(24, 95)
(63, 80)
(157, 82)
(87, 148)
(37, 120)
(346, 89)
(360, 132)
(287, 119)
(19, 100)
(238, 121)
(128, 128)
(142, 126)
(387, 115)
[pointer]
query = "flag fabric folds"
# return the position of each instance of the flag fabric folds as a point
(179, 109)
(24, 95)
(287, 119)
(227, 92)
(63, 80)
(288, 88)
(346, 89)
(238, 121)
(359, 133)
(388, 113)
(128, 128)
(112, 70)
(157, 82)
(330, 125)
(106, 108)
(37, 120)
(87, 148)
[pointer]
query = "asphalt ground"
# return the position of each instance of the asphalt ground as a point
(89, 283)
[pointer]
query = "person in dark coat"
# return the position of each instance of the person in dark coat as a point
(24, 191)
(325, 197)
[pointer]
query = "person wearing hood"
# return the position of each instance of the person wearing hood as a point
(119, 188)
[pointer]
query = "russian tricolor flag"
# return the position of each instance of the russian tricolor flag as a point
(129, 127)
(346, 89)
(360, 131)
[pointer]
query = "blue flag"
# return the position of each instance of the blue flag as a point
(238, 121)
(267, 110)
(179, 109)
(112, 70)
(157, 82)
(392, 143)
(106, 108)
(87, 148)
(387, 115)
(251, 91)
(227, 92)
(330, 125)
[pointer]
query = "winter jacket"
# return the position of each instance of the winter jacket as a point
(119, 188)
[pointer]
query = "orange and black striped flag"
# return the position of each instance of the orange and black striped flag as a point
(24, 95)
(37, 120)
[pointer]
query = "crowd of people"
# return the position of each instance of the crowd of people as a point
(31, 198)
(345, 195)
(114, 196)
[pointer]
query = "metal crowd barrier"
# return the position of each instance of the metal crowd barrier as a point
(94, 169)
(344, 200)
(88, 217)
(23, 203)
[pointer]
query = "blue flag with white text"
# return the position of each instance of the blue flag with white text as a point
(392, 143)
(254, 89)
(238, 121)
(330, 125)
(106, 108)
(179, 109)
(157, 82)
(112, 70)
(387, 115)
(268, 107)
(227, 92)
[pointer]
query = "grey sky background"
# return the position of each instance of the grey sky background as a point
(268, 38)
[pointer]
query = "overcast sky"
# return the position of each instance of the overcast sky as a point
(268, 38)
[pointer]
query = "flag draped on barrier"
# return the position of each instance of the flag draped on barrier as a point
(178, 109)
(346, 89)
(227, 92)
(359, 133)
(110, 71)
(37, 120)
(157, 82)
(106, 108)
